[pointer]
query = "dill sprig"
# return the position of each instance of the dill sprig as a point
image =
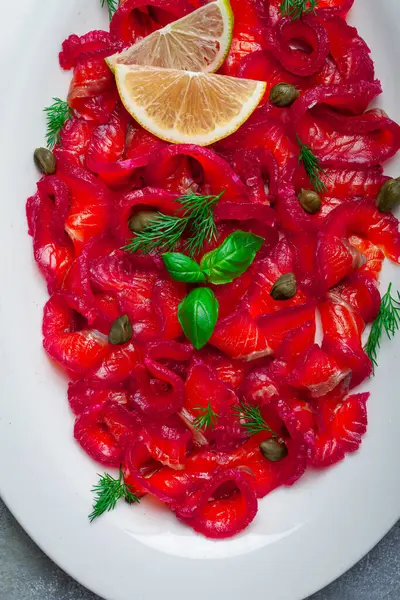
(162, 234)
(312, 166)
(388, 320)
(294, 9)
(251, 419)
(112, 6)
(108, 491)
(207, 419)
(56, 116)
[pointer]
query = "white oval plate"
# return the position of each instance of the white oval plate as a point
(303, 537)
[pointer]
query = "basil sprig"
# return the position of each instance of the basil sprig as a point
(198, 315)
(198, 312)
(222, 265)
(232, 258)
(183, 268)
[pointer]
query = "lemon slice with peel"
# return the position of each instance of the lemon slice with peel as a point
(185, 107)
(198, 42)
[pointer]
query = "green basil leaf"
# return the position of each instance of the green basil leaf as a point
(182, 267)
(198, 314)
(232, 258)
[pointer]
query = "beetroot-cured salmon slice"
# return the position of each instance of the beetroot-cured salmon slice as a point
(261, 65)
(343, 326)
(75, 349)
(262, 130)
(77, 48)
(246, 39)
(311, 32)
(158, 392)
(166, 298)
(89, 213)
(223, 517)
(215, 174)
(298, 417)
(258, 299)
(317, 372)
(335, 259)
(203, 387)
(52, 249)
(84, 395)
(107, 144)
(92, 92)
(341, 433)
(360, 291)
(373, 256)
(167, 442)
(357, 141)
(229, 371)
(339, 320)
(75, 138)
(119, 149)
(136, 19)
(348, 51)
(364, 218)
(334, 7)
(133, 288)
(117, 365)
(344, 183)
(239, 336)
(103, 432)
(296, 343)
(276, 326)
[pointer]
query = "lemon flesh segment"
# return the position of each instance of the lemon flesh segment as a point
(186, 107)
(199, 41)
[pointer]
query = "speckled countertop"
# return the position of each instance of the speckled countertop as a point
(27, 574)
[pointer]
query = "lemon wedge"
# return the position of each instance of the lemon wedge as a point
(199, 41)
(184, 107)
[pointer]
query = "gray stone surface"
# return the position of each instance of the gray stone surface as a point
(27, 574)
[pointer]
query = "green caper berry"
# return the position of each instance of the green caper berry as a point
(388, 196)
(283, 95)
(140, 220)
(310, 201)
(121, 331)
(284, 287)
(45, 160)
(273, 450)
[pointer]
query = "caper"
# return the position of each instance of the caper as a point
(121, 331)
(139, 221)
(45, 161)
(310, 201)
(273, 450)
(389, 196)
(283, 94)
(284, 287)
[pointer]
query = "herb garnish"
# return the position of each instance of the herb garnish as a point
(222, 265)
(207, 419)
(56, 116)
(294, 9)
(198, 315)
(164, 231)
(198, 312)
(183, 268)
(388, 320)
(251, 419)
(312, 166)
(112, 6)
(108, 491)
(232, 258)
